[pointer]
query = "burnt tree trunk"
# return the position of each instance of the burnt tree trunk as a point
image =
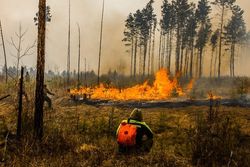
(39, 96)
(20, 107)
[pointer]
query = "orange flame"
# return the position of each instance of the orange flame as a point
(211, 96)
(162, 88)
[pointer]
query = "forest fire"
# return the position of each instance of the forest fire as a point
(162, 88)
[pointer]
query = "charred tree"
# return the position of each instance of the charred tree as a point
(39, 95)
(20, 106)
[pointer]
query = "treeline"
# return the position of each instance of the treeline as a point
(186, 31)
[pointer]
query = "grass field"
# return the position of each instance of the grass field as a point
(76, 134)
(81, 135)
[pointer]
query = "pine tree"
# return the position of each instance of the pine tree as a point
(214, 43)
(202, 15)
(39, 96)
(235, 32)
(223, 6)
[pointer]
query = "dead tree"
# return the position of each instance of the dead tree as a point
(39, 96)
(20, 106)
(4, 52)
(100, 45)
(20, 53)
(79, 56)
(68, 59)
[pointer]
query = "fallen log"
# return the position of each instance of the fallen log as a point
(4, 97)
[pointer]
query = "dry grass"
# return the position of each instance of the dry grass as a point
(81, 135)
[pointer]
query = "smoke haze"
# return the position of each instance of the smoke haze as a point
(87, 13)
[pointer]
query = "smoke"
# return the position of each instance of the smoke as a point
(88, 14)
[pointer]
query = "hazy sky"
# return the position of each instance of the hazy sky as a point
(87, 13)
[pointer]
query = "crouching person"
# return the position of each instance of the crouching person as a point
(134, 134)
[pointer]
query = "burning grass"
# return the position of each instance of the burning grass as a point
(162, 88)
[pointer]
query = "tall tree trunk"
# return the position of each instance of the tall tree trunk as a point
(170, 50)
(200, 63)
(100, 45)
(79, 56)
(149, 51)
(132, 57)
(20, 106)
(220, 40)
(144, 56)
(177, 59)
(159, 54)
(68, 58)
(140, 59)
(163, 50)
(211, 63)
(215, 62)
(166, 51)
(197, 63)
(233, 60)
(135, 55)
(191, 59)
(39, 96)
(181, 63)
(186, 59)
(4, 53)
(152, 55)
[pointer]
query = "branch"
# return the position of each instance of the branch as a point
(27, 50)
(13, 43)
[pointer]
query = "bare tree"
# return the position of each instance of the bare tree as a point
(68, 58)
(100, 46)
(39, 96)
(18, 47)
(4, 52)
(79, 56)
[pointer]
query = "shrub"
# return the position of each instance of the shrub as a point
(215, 140)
